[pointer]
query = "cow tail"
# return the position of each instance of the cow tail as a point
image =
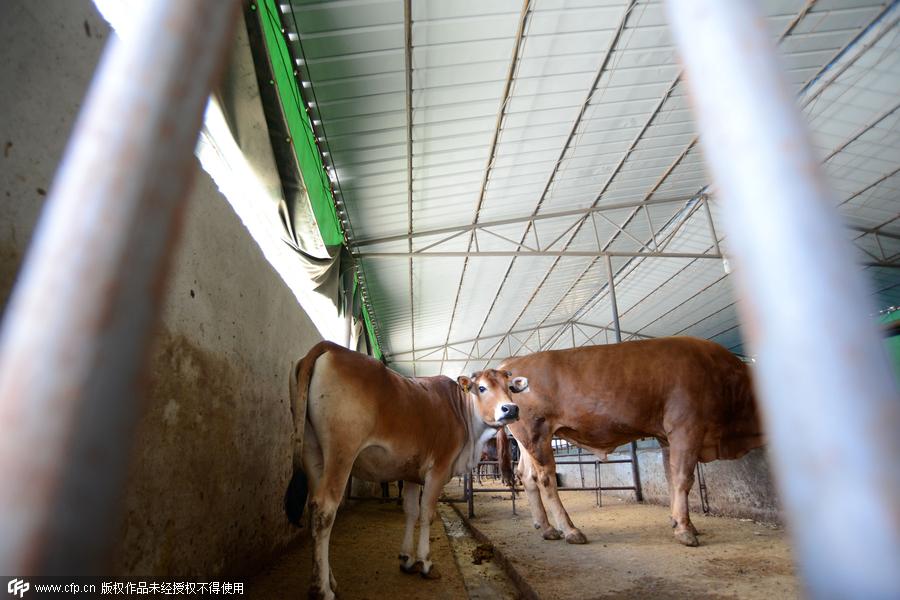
(504, 456)
(298, 488)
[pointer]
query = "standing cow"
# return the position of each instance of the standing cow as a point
(693, 395)
(358, 417)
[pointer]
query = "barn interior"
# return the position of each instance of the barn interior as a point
(443, 186)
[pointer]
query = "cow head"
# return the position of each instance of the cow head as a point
(490, 392)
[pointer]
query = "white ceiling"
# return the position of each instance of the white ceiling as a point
(584, 110)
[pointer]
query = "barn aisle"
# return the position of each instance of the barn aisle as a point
(364, 547)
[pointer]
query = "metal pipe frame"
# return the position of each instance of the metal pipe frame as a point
(81, 318)
(843, 508)
(626, 270)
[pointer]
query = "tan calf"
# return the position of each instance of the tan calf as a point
(360, 418)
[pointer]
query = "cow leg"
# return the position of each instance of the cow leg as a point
(545, 465)
(668, 472)
(411, 510)
(322, 508)
(430, 493)
(682, 461)
(528, 475)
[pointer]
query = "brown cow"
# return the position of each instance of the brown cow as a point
(360, 418)
(692, 395)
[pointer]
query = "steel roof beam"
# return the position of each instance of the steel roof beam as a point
(533, 253)
(578, 212)
(498, 339)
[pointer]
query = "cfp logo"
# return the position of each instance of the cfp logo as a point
(18, 587)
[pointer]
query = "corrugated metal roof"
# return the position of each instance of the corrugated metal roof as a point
(594, 115)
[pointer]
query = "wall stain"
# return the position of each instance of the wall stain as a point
(206, 480)
(10, 261)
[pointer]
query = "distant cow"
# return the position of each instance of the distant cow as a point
(692, 395)
(360, 418)
(489, 455)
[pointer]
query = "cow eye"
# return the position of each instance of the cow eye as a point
(482, 389)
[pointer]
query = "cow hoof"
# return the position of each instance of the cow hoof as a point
(687, 538)
(537, 525)
(673, 523)
(432, 573)
(552, 534)
(576, 537)
(315, 594)
(412, 569)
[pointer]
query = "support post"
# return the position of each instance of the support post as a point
(81, 318)
(636, 473)
(828, 396)
(470, 496)
(612, 299)
(635, 469)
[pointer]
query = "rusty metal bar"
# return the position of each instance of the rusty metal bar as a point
(80, 320)
(830, 401)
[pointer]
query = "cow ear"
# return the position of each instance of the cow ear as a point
(464, 382)
(519, 384)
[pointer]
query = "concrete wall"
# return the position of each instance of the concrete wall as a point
(212, 454)
(736, 488)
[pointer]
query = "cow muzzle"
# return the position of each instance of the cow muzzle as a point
(506, 413)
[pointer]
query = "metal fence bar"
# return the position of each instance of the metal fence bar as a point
(636, 473)
(830, 401)
(80, 320)
(592, 488)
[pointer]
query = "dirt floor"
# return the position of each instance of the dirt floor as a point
(365, 542)
(631, 552)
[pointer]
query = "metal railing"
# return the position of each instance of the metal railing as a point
(564, 453)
